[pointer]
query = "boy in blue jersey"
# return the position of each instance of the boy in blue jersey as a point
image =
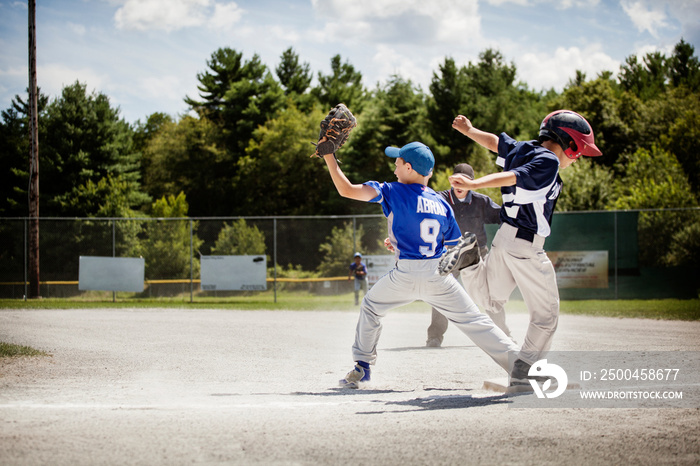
(530, 185)
(472, 212)
(421, 224)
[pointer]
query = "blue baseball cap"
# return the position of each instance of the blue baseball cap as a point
(417, 154)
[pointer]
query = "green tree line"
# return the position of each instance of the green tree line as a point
(243, 147)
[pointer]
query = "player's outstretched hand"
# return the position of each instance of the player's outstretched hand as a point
(460, 181)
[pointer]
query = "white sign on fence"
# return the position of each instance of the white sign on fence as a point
(111, 273)
(378, 266)
(580, 269)
(234, 273)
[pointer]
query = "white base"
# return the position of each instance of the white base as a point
(501, 386)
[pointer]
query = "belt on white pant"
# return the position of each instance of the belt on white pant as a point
(510, 232)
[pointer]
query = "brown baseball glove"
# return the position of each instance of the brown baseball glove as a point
(335, 130)
(463, 254)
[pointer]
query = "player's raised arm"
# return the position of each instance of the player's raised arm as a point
(359, 192)
(335, 130)
(464, 126)
(494, 180)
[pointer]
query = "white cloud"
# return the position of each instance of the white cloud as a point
(281, 34)
(644, 50)
(459, 21)
(503, 2)
(568, 4)
(396, 21)
(171, 15)
(408, 38)
(225, 15)
(557, 4)
(53, 77)
(646, 15)
(166, 15)
(162, 87)
(554, 70)
(687, 13)
(388, 62)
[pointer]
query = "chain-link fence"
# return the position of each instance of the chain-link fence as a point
(603, 255)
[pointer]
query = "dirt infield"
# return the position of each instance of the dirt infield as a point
(260, 387)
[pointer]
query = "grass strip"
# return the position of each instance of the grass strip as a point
(663, 309)
(8, 350)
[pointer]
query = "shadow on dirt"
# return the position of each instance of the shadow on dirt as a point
(427, 348)
(428, 403)
(447, 402)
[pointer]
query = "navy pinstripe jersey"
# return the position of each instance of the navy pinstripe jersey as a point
(529, 204)
(420, 221)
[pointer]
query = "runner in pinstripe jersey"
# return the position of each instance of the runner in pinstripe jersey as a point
(530, 185)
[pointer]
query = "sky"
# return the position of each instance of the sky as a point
(145, 54)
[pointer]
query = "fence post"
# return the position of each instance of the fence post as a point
(114, 251)
(191, 262)
(33, 200)
(354, 235)
(274, 254)
(616, 259)
(25, 259)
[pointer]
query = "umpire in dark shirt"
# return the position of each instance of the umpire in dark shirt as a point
(472, 211)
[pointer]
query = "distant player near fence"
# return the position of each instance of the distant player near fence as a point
(358, 272)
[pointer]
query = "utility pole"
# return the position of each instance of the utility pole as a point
(34, 287)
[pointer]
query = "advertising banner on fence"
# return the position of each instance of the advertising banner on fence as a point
(580, 269)
(111, 273)
(234, 273)
(378, 266)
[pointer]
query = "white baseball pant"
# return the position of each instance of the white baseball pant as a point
(517, 262)
(474, 280)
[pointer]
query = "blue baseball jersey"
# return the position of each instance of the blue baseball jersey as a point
(358, 268)
(529, 204)
(420, 221)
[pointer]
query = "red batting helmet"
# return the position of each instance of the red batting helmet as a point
(571, 131)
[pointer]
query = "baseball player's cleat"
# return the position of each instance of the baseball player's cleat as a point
(463, 254)
(519, 375)
(433, 343)
(355, 377)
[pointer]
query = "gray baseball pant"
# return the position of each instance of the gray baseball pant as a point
(473, 279)
(412, 280)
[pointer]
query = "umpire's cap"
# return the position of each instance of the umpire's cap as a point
(465, 169)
